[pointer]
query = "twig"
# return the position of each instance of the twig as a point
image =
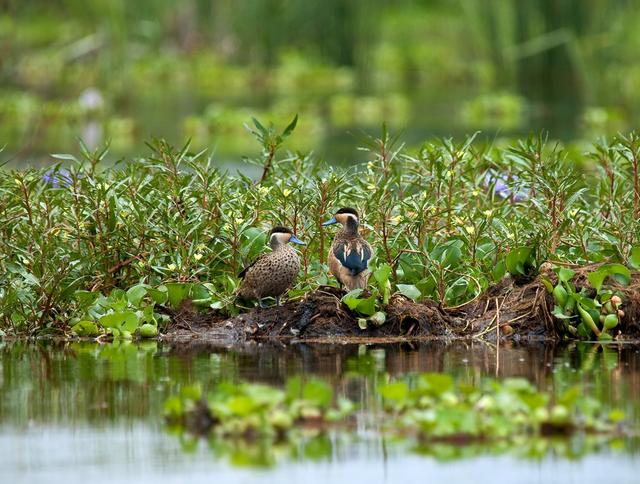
(497, 337)
(126, 262)
(470, 300)
(490, 325)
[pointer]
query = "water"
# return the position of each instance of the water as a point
(83, 412)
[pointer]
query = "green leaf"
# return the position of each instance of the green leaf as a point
(547, 284)
(367, 306)
(382, 273)
(410, 291)
(177, 292)
(499, 270)
(565, 274)
(634, 258)
(596, 279)
(518, 260)
(159, 295)
(289, 129)
(351, 299)
(136, 293)
(261, 129)
(85, 328)
(618, 271)
(448, 253)
(559, 313)
(63, 156)
(121, 320)
(199, 292)
(148, 331)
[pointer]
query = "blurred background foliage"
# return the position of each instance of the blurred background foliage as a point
(125, 71)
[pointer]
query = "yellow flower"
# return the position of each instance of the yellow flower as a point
(487, 213)
(197, 256)
(286, 192)
(141, 263)
(475, 192)
(470, 229)
(18, 182)
(171, 267)
(511, 236)
(263, 190)
(397, 219)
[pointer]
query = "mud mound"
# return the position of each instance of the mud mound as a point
(321, 314)
(513, 309)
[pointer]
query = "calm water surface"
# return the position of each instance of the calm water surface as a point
(93, 413)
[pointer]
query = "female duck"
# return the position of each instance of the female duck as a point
(350, 252)
(273, 273)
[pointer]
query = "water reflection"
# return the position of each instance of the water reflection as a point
(123, 380)
(90, 397)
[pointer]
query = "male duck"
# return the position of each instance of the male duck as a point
(350, 252)
(272, 273)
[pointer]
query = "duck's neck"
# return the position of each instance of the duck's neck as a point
(351, 227)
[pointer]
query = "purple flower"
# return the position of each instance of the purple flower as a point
(57, 177)
(505, 186)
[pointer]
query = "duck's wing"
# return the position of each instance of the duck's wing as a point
(244, 271)
(353, 254)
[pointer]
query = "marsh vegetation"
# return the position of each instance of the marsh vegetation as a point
(101, 248)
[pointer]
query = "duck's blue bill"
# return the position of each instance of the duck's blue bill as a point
(330, 222)
(296, 240)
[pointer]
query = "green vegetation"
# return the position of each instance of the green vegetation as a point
(440, 416)
(446, 222)
(198, 69)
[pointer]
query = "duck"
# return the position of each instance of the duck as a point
(350, 253)
(273, 273)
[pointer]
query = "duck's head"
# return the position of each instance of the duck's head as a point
(346, 216)
(282, 235)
